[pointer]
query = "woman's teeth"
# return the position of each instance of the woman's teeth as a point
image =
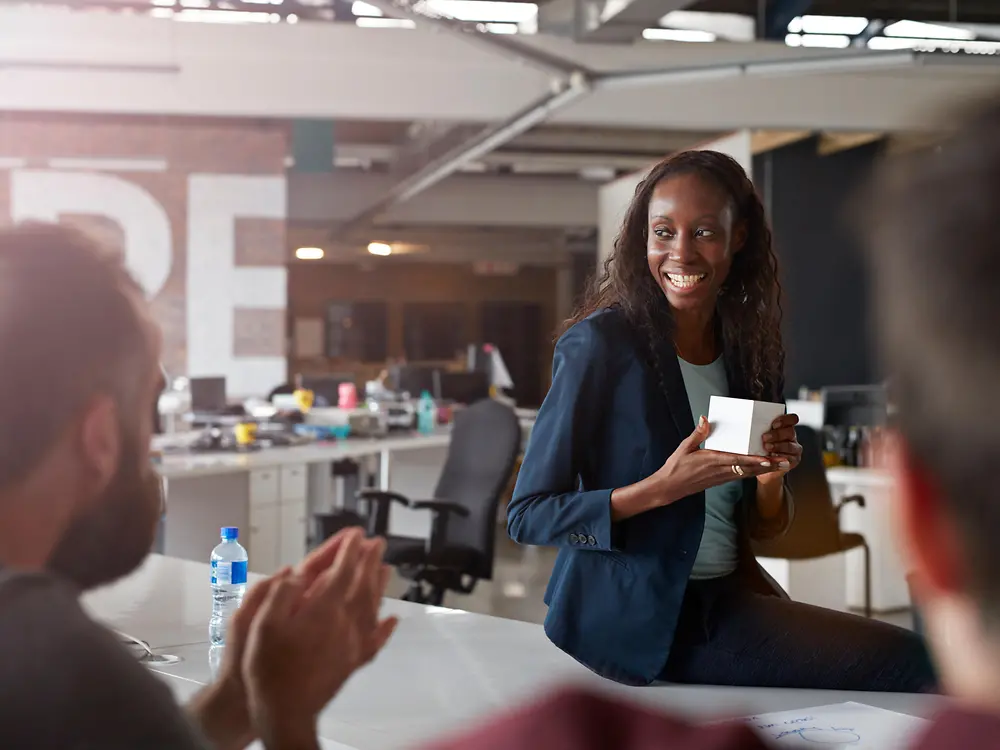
(685, 281)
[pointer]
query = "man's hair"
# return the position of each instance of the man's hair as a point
(70, 330)
(935, 247)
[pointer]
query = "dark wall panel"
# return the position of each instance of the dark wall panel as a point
(826, 329)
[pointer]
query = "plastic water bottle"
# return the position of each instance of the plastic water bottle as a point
(426, 414)
(229, 583)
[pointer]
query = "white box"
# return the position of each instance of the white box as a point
(739, 425)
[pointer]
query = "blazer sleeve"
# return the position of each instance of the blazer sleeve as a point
(760, 528)
(548, 508)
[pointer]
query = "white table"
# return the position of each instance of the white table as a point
(442, 671)
(271, 494)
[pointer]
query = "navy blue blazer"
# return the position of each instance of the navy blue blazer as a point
(616, 590)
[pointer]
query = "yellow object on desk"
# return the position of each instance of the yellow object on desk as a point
(245, 432)
(304, 399)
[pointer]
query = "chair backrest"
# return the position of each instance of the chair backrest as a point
(485, 441)
(815, 529)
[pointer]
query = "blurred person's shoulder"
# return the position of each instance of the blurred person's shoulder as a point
(576, 719)
(66, 681)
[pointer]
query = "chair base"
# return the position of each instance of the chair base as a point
(429, 585)
(418, 593)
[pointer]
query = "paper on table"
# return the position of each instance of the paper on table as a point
(842, 725)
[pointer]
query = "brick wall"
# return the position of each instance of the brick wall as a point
(158, 155)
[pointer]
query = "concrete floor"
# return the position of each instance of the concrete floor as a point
(520, 575)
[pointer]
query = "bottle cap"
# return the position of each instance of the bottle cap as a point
(230, 533)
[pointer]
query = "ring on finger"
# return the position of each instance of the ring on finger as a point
(737, 470)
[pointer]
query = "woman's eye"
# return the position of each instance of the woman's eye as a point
(662, 232)
(704, 233)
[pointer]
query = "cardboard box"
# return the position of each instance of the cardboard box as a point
(739, 425)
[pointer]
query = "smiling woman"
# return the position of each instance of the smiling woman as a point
(655, 579)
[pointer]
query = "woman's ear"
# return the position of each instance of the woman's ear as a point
(740, 235)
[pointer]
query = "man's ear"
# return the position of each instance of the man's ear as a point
(100, 442)
(930, 542)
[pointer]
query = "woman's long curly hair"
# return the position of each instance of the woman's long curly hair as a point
(749, 304)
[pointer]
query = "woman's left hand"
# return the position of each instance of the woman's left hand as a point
(782, 445)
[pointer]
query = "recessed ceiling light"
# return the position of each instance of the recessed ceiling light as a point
(309, 253)
(379, 248)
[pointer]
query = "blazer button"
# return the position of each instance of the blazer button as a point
(573, 539)
(591, 541)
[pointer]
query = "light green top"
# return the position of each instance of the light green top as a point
(718, 552)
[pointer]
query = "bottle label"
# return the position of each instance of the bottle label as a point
(238, 572)
(222, 572)
(225, 573)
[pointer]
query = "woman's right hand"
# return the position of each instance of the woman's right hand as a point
(689, 469)
(692, 469)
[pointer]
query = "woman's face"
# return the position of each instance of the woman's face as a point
(692, 238)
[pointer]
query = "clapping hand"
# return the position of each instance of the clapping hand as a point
(296, 639)
(313, 631)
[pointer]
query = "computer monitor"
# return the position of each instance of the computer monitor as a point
(208, 395)
(465, 387)
(415, 379)
(855, 406)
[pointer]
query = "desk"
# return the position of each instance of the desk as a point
(442, 671)
(271, 494)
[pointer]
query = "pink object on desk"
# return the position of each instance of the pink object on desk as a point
(347, 395)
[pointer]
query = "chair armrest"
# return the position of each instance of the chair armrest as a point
(440, 506)
(379, 504)
(442, 510)
(858, 499)
(382, 496)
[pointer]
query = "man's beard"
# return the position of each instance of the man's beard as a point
(113, 538)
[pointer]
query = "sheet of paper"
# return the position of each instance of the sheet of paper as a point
(852, 726)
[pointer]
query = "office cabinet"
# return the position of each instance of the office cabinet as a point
(293, 483)
(265, 524)
(278, 517)
(264, 487)
(292, 542)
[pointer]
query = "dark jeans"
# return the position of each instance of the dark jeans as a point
(730, 635)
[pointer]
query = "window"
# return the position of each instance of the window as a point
(356, 331)
(434, 330)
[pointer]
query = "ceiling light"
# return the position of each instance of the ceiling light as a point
(850, 25)
(379, 248)
(885, 42)
(483, 10)
(360, 8)
(927, 31)
(309, 253)
(678, 35)
(501, 28)
(385, 23)
(831, 41)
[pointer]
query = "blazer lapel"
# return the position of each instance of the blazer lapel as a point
(674, 393)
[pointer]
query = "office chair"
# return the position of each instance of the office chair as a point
(815, 530)
(485, 441)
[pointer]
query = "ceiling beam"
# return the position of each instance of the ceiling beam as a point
(834, 143)
(604, 20)
(512, 49)
(436, 168)
(762, 141)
